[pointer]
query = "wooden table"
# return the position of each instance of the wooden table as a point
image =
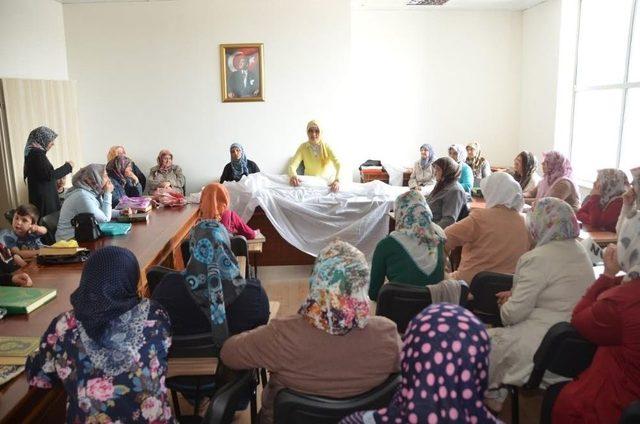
(602, 238)
(255, 248)
(155, 242)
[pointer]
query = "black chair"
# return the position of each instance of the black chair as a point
(239, 247)
(401, 302)
(631, 414)
(223, 406)
(8, 215)
(293, 407)
(484, 287)
(464, 212)
(50, 222)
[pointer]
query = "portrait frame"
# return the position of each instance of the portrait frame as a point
(242, 72)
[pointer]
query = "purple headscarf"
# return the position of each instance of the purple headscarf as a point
(558, 168)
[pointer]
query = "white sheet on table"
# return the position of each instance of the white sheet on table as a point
(310, 216)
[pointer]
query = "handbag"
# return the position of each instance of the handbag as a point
(79, 257)
(85, 227)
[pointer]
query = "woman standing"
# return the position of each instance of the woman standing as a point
(165, 174)
(422, 174)
(459, 154)
(478, 164)
(125, 182)
(40, 175)
(557, 181)
(447, 198)
(239, 165)
(524, 171)
(119, 151)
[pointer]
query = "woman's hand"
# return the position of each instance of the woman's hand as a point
(503, 296)
(22, 280)
(165, 184)
(108, 187)
(294, 181)
(596, 190)
(629, 197)
(610, 258)
(334, 186)
(130, 174)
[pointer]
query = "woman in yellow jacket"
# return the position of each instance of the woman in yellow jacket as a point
(318, 159)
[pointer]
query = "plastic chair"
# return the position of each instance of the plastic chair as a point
(50, 222)
(223, 405)
(484, 287)
(293, 407)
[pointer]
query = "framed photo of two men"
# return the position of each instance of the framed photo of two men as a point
(242, 72)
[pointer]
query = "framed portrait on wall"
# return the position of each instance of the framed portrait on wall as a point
(242, 72)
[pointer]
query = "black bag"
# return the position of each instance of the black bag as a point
(86, 228)
(79, 257)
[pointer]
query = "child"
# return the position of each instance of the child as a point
(24, 240)
(8, 264)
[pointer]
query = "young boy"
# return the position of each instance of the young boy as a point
(9, 265)
(24, 240)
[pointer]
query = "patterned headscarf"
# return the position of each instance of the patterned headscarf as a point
(500, 188)
(212, 273)
(529, 166)
(558, 167)
(450, 174)
(477, 161)
(613, 184)
(117, 166)
(552, 219)
(445, 368)
(89, 178)
(424, 163)
(462, 153)
(338, 300)
(39, 139)
(629, 248)
(163, 152)
(113, 152)
(239, 167)
(415, 232)
(214, 200)
(319, 149)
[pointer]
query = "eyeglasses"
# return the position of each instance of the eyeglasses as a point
(313, 130)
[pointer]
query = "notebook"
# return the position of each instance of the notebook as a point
(22, 300)
(14, 350)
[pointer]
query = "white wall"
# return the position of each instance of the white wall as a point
(32, 43)
(436, 76)
(149, 77)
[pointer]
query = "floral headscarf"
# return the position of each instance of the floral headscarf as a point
(117, 166)
(113, 152)
(338, 300)
(212, 273)
(319, 149)
(629, 247)
(450, 173)
(558, 167)
(445, 368)
(424, 163)
(552, 219)
(613, 184)
(500, 188)
(462, 153)
(214, 201)
(415, 232)
(163, 152)
(39, 139)
(476, 162)
(529, 166)
(239, 167)
(89, 178)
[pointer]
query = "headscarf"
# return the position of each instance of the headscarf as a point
(529, 166)
(613, 184)
(338, 300)
(117, 166)
(39, 139)
(558, 167)
(89, 178)
(500, 188)
(477, 161)
(213, 274)
(450, 174)
(445, 368)
(462, 153)
(552, 219)
(424, 163)
(239, 167)
(415, 232)
(319, 149)
(111, 316)
(629, 248)
(113, 152)
(214, 200)
(159, 160)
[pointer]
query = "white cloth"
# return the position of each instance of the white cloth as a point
(310, 216)
(447, 291)
(500, 188)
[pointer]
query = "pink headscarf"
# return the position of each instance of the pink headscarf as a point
(558, 168)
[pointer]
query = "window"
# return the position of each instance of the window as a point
(606, 97)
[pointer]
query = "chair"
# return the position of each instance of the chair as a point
(8, 215)
(484, 287)
(223, 406)
(401, 302)
(239, 247)
(50, 222)
(293, 407)
(631, 414)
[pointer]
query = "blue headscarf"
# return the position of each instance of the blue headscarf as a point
(239, 167)
(212, 273)
(432, 156)
(39, 139)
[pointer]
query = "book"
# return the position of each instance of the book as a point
(9, 372)
(60, 251)
(14, 350)
(135, 217)
(22, 300)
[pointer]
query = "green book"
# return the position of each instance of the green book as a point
(14, 350)
(23, 300)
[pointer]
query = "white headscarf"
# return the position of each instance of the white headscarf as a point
(500, 188)
(629, 248)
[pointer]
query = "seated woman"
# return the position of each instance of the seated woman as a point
(433, 389)
(119, 151)
(90, 193)
(603, 205)
(412, 254)
(492, 239)
(556, 181)
(320, 350)
(124, 180)
(459, 155)
(210, 294)
(110, 351)
(165, 174)
(214, 204)
(447, 199)
(318, 159)
(547, 284)
(239, 165)
(608, 315)
(524, 171)
(478, 164)
(422, 174)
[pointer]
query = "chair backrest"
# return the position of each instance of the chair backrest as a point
(223, 405)
(292, 407)
(631, 414)
(563, 351)
(155, 275)
(184, 251)
(484, 287)
(8, 215)
(50, 222)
